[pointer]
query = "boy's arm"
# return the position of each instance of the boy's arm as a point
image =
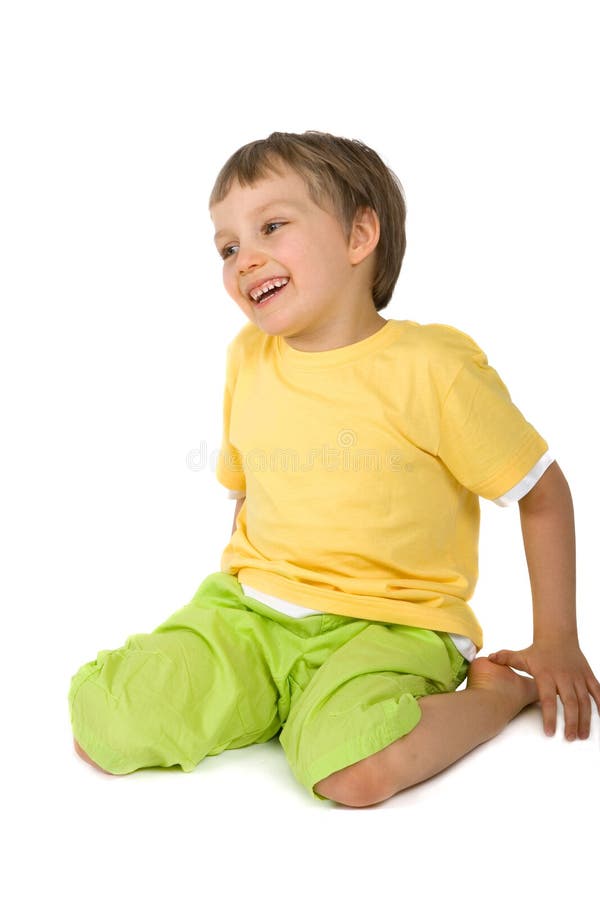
(554, 658)
(238, 506)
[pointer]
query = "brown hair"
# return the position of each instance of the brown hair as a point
(342, 171)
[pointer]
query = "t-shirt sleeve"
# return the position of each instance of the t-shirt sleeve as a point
(485, 441)
(229, 469)
(527, 483)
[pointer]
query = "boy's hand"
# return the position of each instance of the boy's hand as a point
(558, 668)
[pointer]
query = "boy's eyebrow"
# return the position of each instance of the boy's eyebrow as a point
(261, 209)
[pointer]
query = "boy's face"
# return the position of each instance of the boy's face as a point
(274, 230)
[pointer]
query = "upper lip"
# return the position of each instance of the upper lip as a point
(257, 284)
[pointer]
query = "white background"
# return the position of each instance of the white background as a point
(116, 118)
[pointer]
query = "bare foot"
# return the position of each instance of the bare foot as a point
(85, 757)
(518, 690)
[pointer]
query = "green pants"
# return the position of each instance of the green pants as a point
(226, 671)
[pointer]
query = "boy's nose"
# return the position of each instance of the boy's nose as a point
(249, 258)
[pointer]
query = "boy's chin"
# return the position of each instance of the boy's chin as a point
(269, 327)
(262, 322)
(273, 325)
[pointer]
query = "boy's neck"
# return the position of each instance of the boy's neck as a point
(348, 332)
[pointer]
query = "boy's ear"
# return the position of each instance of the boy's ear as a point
(364, 236)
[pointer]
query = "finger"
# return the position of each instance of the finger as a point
(547, 692)
(593, 686)
(570, 704)
(585, 710)
(510, 658)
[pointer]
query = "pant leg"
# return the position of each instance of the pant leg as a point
(365, 695)
(194, 687)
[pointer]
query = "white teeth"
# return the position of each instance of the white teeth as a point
(277, 282)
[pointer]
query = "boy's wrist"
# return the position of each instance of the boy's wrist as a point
(555, 636)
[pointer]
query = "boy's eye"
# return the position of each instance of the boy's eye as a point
(272, 225)
(225, 251)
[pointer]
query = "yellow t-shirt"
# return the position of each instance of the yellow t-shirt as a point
(363, 467)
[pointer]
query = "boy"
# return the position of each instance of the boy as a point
(357, 448)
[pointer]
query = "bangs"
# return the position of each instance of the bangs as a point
(247, 166)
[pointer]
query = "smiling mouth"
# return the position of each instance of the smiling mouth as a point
(269, 295)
